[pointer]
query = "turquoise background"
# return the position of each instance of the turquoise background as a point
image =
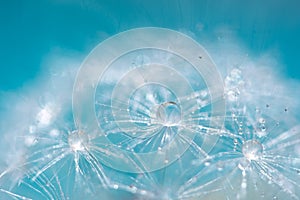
(31, 29)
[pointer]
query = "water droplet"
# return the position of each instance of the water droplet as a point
(220, 168)
(115, 186)
(207, 163)
(257, 110)
(252, 149)
(244, 185)
(235, 141)
(168, 113)
(263, 128)
(240, 131)
(261, 120)
(133, 188)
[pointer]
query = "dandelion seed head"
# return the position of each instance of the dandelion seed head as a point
(153, 107)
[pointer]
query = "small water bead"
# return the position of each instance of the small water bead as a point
(220, 167)
(257, 110)
(115, 186)
(133, 189)
(252, 150)
(261, 129)
(261, 133)
(235, 141)
(207, 163)
(244, 184)
(235, 144)
(261, 120)
(240, 130)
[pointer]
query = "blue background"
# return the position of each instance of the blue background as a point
(31, 29)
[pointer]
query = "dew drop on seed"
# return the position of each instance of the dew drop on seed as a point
(244, 185)
(207, 163)
(115, 186)
(252, 150)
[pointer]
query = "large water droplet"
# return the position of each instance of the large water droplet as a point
(168, 114)
(252, 150)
